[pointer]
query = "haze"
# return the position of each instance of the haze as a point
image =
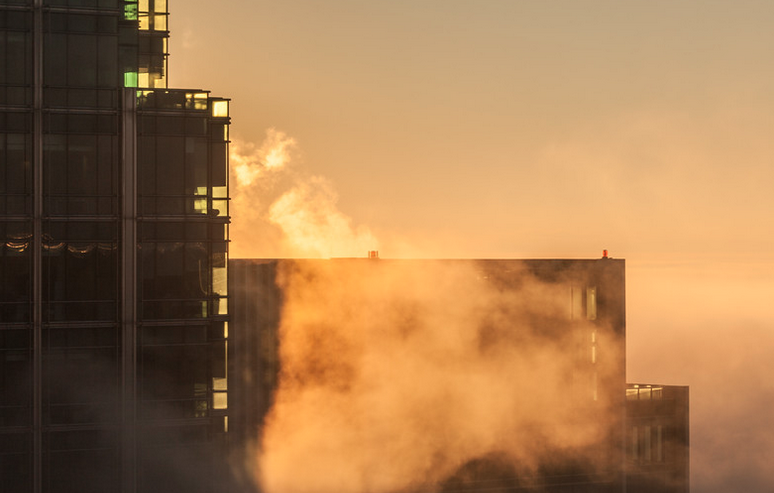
(462, 128)
(396, 375)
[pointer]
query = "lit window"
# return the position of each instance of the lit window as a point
(221, 206)
(160, 22)
(221, 306)
(219, 192)
(196, 100)
(130, 10)
(200, 205)
(220, 281)
(144, 80)
(219, 109)
(130, 79)
(220, 400)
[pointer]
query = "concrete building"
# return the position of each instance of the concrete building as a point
(644, 444)
(578, 302)
(113, 255)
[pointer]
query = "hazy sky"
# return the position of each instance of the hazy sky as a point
(482, 128)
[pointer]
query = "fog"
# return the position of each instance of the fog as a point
(396, 375)
(705, 323)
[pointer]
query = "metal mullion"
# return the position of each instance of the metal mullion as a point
(128, 175)
(37, 259)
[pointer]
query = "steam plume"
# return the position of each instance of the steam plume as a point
(283, 211)
(313, 225)
(396, 374)
(249, 164)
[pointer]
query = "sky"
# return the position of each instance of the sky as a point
(528, 129)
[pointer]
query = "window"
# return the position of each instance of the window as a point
(591, 303)
(576, 303)
(219, 108)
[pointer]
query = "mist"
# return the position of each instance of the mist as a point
(285, 210)
(706, 323)
(398, 375)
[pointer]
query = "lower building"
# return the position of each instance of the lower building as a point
(288, 317)
(657, 438)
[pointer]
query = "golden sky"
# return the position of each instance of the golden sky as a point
(516, 128)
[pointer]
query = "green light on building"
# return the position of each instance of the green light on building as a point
(130, 10)
(130, 79)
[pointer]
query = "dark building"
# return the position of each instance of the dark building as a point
(113, 256)
(657, 438)
(586, 311)
(645, 448)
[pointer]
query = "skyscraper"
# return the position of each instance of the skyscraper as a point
(113, 255)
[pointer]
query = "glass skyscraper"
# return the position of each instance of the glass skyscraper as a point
(113, 256)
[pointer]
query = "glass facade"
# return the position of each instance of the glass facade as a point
(657, 438)
(113, 255)
(183, 249)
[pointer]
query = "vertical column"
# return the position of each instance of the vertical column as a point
(129, 289)
(37, 259)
